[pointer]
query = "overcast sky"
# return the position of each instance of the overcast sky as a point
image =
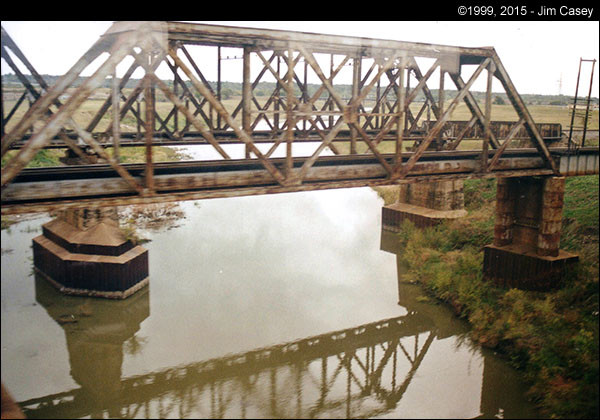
(536, 54)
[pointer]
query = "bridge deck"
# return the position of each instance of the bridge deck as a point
(44, 189)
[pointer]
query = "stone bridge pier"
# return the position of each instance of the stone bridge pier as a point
(425, 204)
(525, 252)
(83, 252)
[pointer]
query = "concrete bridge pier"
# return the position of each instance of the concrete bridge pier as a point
(84, 252)
(525, 253)
(425, 204)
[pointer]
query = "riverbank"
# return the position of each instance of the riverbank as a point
(551, 337)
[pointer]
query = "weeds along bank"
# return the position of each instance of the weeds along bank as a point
(551, 337)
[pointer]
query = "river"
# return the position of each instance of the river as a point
(288, 306)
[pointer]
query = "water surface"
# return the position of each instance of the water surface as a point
(287, 306)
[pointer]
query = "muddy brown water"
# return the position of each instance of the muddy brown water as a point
(286, 306)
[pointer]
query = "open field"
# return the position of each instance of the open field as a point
(87, 111)
(540, 113)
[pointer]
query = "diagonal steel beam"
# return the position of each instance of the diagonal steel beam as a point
(523, 113)
(419, 76)
(475, 110)
(513, 131)
(121, 48)
(88, 138)
(29, 88)
(348, 110)
(308, 56)
(454, 143)
(245, 137)
(107, 102)
(39, 108)
(405, 169)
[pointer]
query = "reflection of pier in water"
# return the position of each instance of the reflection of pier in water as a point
(362, 371)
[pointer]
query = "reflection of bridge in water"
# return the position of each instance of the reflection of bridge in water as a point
(363, 371)
(357, 372)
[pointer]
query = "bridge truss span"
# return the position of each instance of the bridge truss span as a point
(364, 109)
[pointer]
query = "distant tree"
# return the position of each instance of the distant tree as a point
(226, 93)
(498, 100)
(558, 102)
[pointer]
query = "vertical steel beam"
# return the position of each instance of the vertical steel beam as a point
(115, 108)
(149, 134)
(277, 102)
(407, 94)
(574, 104)
(289, 87)
(219, 84)
(305, 92)
(138, 125)
(587, 107)
(3, 121)
(441, 93)
(246, 96)
(176, 82)
(331, 72)
(441, 101)
(356, 71)
(488, 117)
(401, 93)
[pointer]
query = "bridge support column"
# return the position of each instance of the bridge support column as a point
(83, 252)
(525, 253)
(425, 204)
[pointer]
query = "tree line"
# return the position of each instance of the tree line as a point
(265, 89)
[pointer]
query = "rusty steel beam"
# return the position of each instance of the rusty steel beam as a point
(440, 123)
(523, 112)
(271, 39)
(7, 42)
(80, 186)
(119, 50)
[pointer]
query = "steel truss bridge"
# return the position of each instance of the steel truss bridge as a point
(364, 107)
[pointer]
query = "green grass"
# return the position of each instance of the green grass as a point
(553, 336)
(51, 157)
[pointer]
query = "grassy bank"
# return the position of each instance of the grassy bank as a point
(552, 337)
(51, 157)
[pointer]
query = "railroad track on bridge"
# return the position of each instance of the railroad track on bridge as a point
(174, 181)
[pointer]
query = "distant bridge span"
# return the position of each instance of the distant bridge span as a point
(365, 105)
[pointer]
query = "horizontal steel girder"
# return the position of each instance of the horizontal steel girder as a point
(45, 189)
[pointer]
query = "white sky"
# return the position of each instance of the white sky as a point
(536, 54)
